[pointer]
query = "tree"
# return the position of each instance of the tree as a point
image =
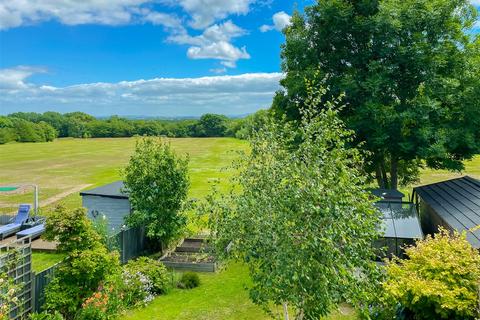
(47, 131)
(157, 182)
(439, 280)
(211, 125)
(299, 215)
(410, 74)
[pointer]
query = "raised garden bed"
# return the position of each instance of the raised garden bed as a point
(200, 262)
(193, 254)
(193, 245)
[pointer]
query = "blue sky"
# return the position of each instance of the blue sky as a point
(141, 57)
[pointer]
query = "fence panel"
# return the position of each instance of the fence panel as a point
(130, 243)
(42, 279)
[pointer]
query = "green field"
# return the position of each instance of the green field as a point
(64, 164)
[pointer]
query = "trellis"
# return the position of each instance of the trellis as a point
(16, 262)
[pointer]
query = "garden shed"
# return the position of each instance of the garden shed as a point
(108, 200)
(453, 204)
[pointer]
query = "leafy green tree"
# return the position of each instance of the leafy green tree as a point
(47, 131)
(7, 132)
(245, 127)
(439, 280)
(157, 182)
(410, 71)
(299, 215)
(211, 125)
(27, 131)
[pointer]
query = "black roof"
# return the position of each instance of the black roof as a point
(457, 202)
(387, 193)
(112, 190)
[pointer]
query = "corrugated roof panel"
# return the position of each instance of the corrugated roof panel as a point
(457, 202)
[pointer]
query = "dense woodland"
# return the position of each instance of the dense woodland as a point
(42, 127)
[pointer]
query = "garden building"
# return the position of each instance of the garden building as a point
(108, 201)
(453, 204)
(400, 222)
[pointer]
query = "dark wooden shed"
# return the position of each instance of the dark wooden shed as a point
(109, 201)
(453, 204)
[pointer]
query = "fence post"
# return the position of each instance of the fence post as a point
(34, 291)
(124, 249)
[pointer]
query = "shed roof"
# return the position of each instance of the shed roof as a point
(387, 193)
(457, 202)
(111, 190)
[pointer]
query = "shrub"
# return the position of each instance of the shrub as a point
(87, 266)
(439, 280)
(189, 280)
(78, 277)
(71, 229)
(154, 270)
(46, 316)
(137, 288)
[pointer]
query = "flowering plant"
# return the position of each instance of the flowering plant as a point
(138, 288)
(8, 295)
(103, 304)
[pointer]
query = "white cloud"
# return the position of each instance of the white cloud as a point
(215, 43)
(475, 2)
(24, 12)
(280, 21)
(14, 78)
(170, 22)
(218, 70)
(231, 95)
(206, 12)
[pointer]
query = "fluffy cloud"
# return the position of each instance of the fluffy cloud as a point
(14, 78)
(160, 96)
(214, 43)
(112, 12)
(206, 12)
(280, 21)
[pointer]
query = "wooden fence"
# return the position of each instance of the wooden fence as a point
(130, 243)
(40, 282)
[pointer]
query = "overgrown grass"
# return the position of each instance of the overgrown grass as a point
(44, 260)
(66, 163)
(220, 296)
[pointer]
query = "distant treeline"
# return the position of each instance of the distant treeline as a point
(42, 127)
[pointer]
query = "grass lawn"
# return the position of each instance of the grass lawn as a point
(67, 163)
(43, 260)
(221, 296)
